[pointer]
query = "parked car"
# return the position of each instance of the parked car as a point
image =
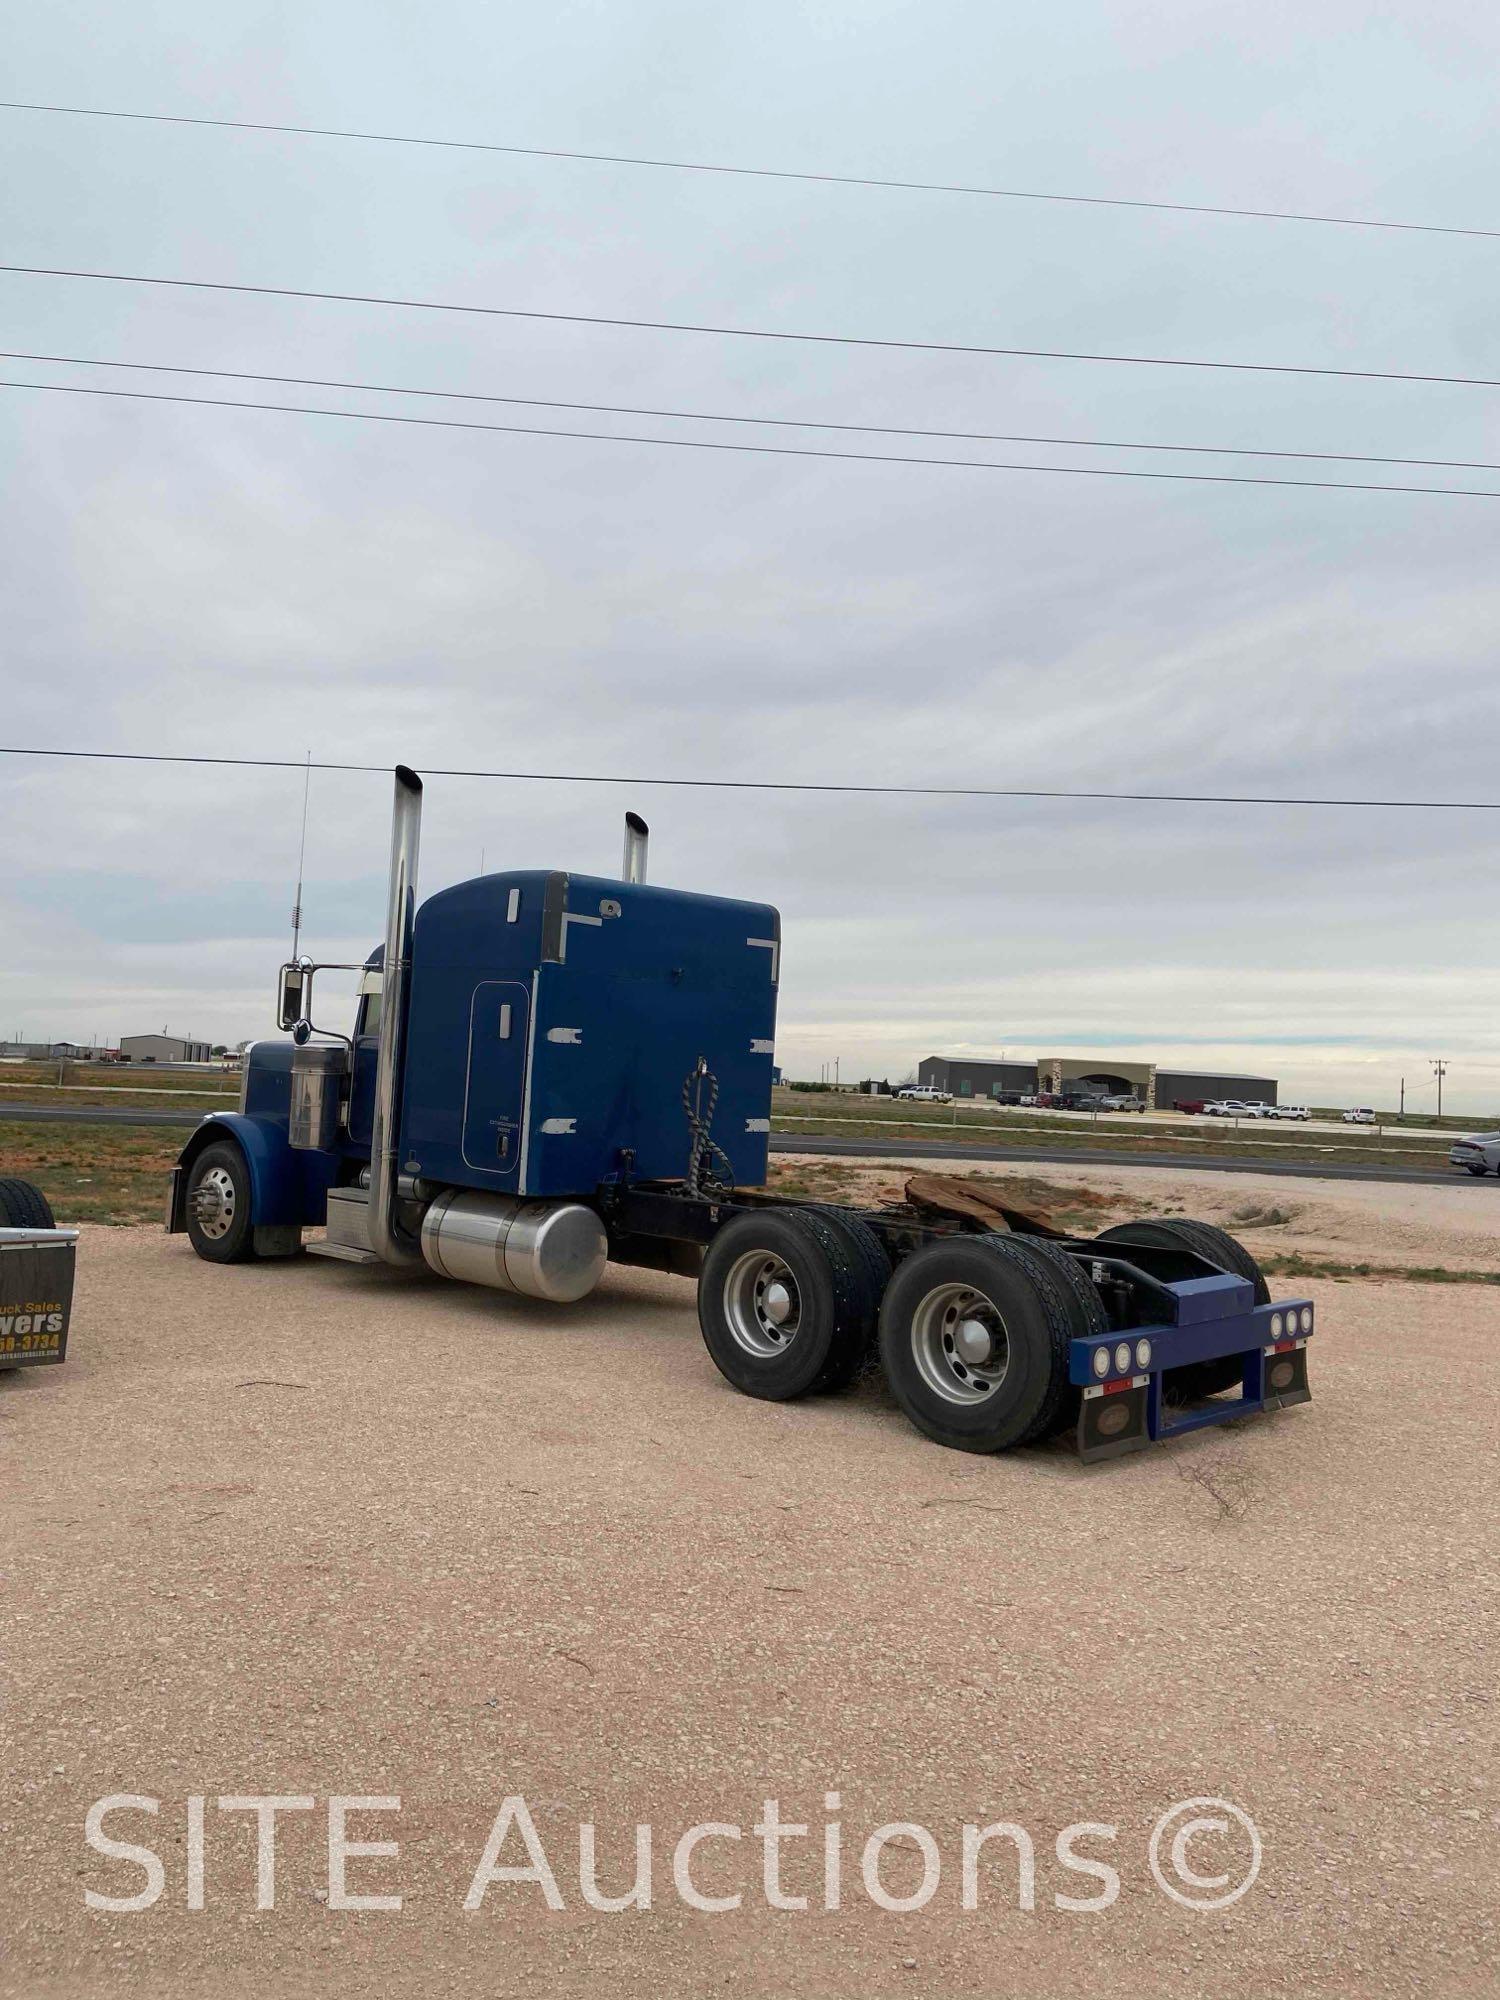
(1361, 1114)
(1478, 1151)
(1226, 1107)
(923, 1093)
(1007, 1097)
(1189, 1105)
(1289, 1111)
(1128, 1101)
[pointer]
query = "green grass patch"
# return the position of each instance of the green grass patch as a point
(93, 1173)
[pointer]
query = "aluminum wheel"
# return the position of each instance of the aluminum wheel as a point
(959, 1343)
(762, 1304)
(214, 1203)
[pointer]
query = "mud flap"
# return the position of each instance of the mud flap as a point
(1111, 1423)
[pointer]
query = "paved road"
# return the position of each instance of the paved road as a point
(825, 1147)
(1078, 1156)
(97, 1114)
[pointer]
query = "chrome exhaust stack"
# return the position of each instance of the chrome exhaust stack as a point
(387, 1238)
(633, 867)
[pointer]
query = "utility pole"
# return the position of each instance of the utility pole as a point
(1440, 1070)
(1402, 1111)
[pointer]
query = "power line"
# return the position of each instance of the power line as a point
(754, 173)
(763, 784)
(754, 332)
(757, 450)
(721, 417)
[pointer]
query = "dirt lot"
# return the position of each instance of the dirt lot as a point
(312, 1530)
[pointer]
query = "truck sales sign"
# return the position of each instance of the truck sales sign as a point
(36, 1298)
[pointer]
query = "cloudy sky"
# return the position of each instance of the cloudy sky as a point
(224, 581)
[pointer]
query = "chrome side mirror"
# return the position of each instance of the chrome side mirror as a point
(295, 995)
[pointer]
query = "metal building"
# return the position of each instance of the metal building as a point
(162, 1048)
(1111, 1076)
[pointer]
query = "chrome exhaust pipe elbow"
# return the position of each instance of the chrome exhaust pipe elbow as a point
(637, 833)
(387, 1238)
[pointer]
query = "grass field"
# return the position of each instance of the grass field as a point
(804, 1114)
(93, 1173)
(121, 1085)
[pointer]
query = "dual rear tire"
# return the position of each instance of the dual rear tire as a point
(789, 1300)
(972, 1332)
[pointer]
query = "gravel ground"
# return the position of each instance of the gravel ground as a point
(1454, 1226)
(311, 1530)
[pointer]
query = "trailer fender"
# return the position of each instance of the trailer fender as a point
(288, 1189)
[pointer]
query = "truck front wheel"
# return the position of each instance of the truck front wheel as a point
(219, 1224)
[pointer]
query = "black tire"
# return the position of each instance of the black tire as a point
(822, 1286)
(1089, 1322)
(24, 1206)
(855, 1352)
(1036, 1313)
(1479, 1172)
(1204, 1239)
(226, 1235)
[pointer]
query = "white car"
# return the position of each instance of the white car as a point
(1478, 1151)
(1228, 1107)
(923, 1093)
(1289, 1111)
(1361, 1114)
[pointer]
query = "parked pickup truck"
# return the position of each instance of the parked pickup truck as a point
(922, 1093)
(1478, 1151)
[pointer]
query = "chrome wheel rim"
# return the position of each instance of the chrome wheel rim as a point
(214, 1203)
(959, 1344)
(762, 1304)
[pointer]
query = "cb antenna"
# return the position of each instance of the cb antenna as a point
(301, 857)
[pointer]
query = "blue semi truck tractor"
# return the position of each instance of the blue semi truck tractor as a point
(548, 1072)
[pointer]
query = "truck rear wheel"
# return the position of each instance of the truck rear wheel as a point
(24, 1206)
(1204, 1239)
(974, 1338)
(870, 1273)
(781, 1301)
(219, 1224)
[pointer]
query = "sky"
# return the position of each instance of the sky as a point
(250, 583)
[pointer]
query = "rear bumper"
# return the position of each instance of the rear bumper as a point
(1207, 1319)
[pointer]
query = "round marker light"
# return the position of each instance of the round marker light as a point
(1143, 1354)
(1276, 1326)
(1101, 1362)
(1306, 1319)
(1122, 1357)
